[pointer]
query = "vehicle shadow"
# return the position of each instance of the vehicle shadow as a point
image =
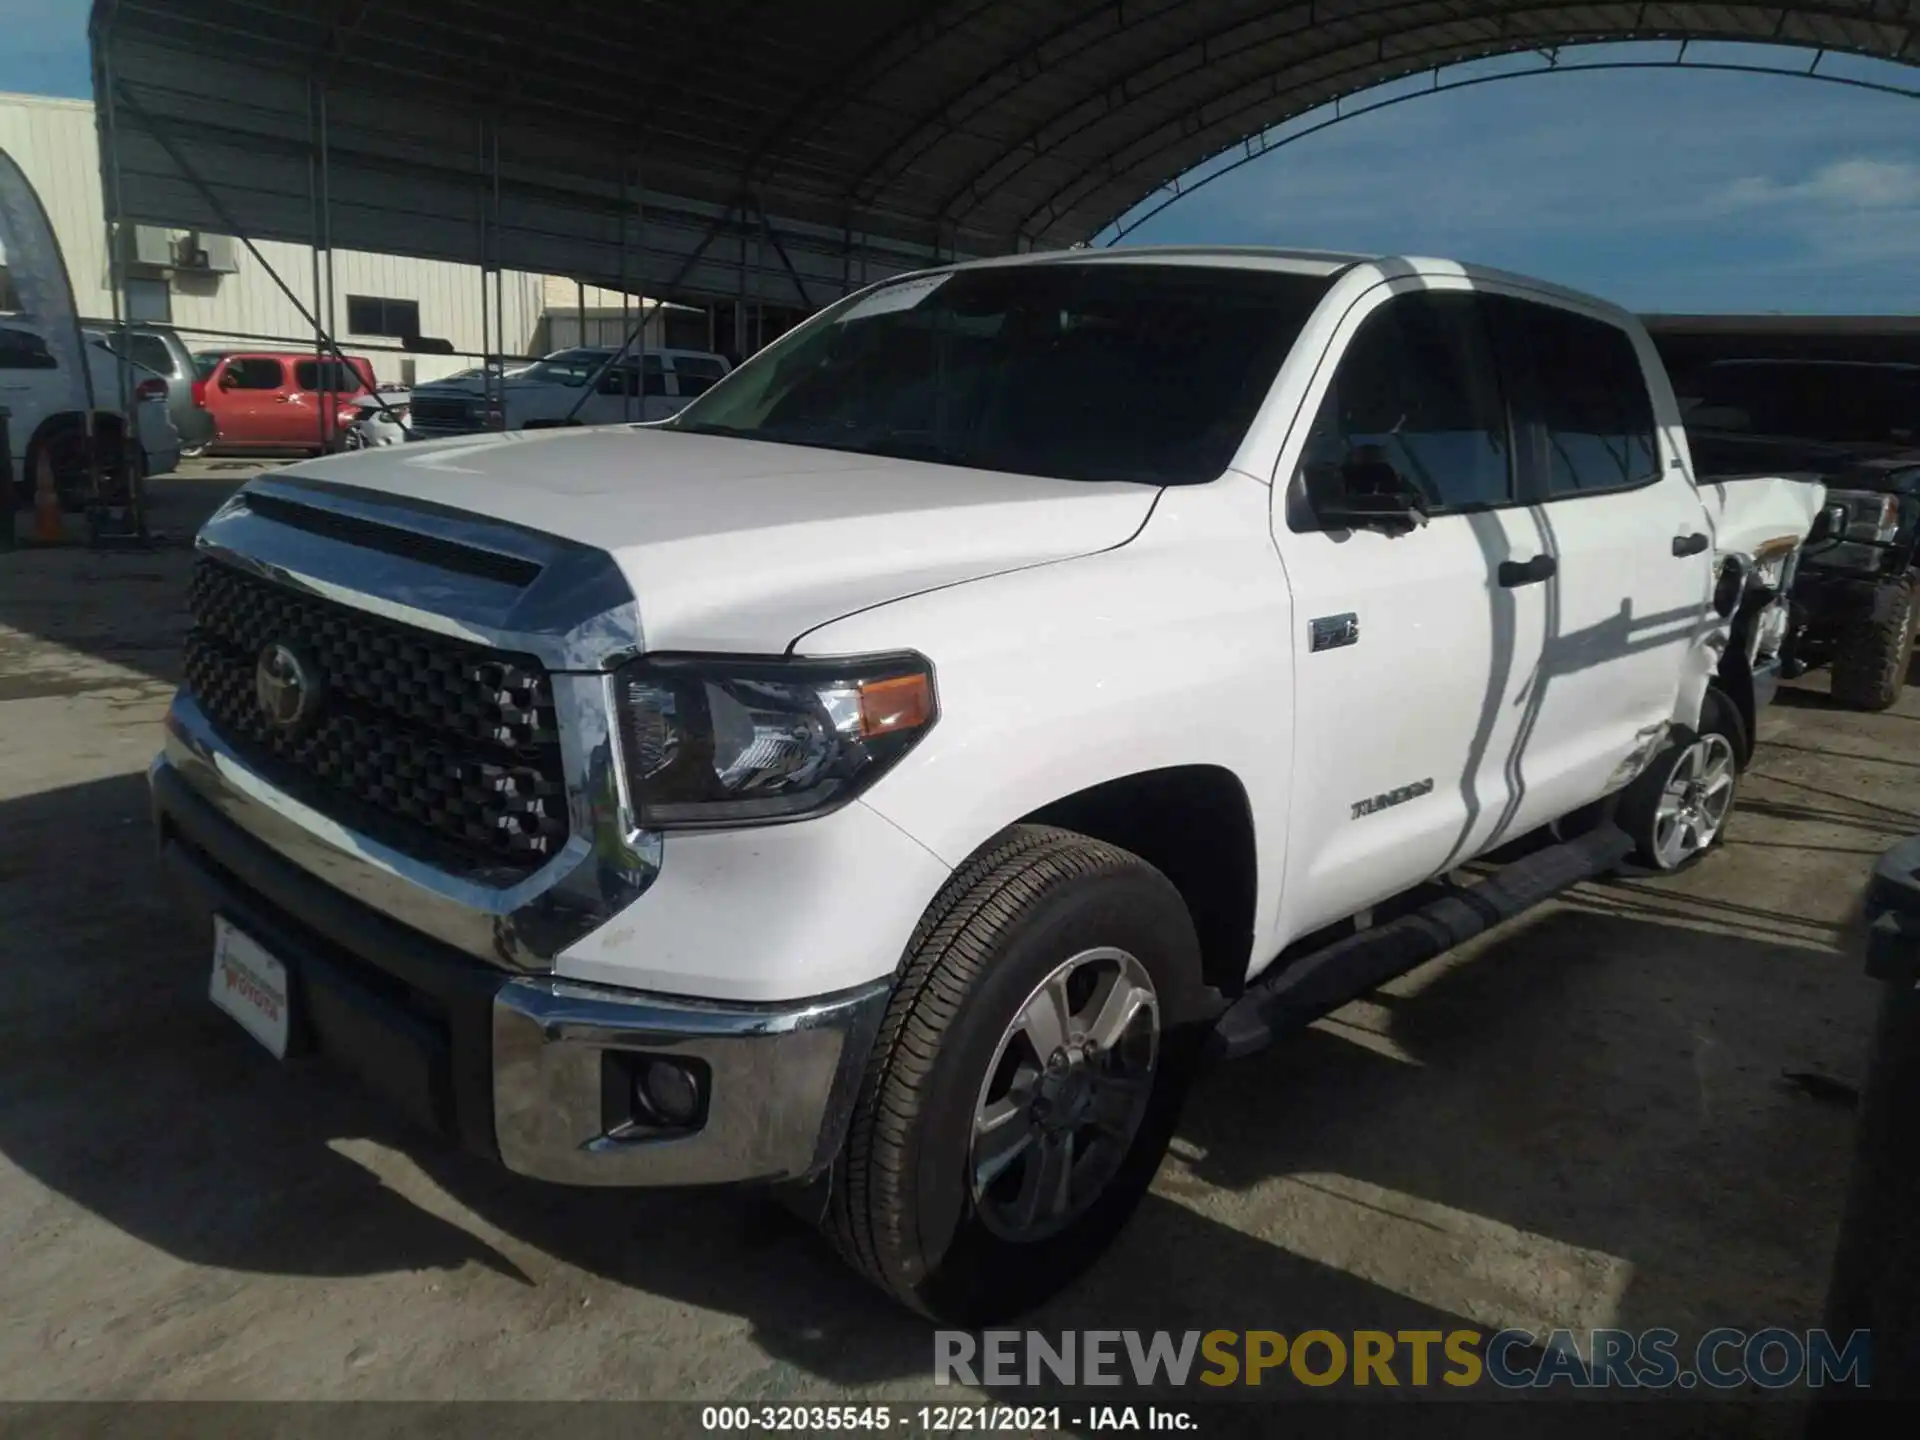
(1591, 1087)
(80, 617)
(130, 1096)
(1604, 1084)
(1853, 757)
(1804, 697)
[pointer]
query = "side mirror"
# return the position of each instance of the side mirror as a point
(1366, 494)
(1394, 513)
(1829, 524)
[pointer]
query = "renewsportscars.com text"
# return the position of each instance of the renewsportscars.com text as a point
(1725, 1359)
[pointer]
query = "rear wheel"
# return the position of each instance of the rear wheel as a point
(1025, 1081)
(1678, 810)
(1870, 661)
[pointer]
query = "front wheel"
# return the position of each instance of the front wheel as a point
(1678, 810)
(1026, 1079)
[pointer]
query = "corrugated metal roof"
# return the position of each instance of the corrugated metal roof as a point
(957, 126)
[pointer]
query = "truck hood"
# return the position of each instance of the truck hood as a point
(740, 545)
(1762, 515)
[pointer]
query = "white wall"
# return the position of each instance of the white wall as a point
(55, 143)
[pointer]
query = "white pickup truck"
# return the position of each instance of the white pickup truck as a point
(890, 778)
(54, 374)
(585, 386)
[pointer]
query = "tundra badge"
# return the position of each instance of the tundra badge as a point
(1394, 797)
(1330, 632)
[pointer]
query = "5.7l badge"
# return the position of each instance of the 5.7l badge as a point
(1399, 796)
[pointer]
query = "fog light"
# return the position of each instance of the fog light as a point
(671, 1093)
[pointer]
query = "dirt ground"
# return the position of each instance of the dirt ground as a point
(1584, 1119)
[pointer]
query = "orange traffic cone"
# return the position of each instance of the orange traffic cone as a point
(47, 525)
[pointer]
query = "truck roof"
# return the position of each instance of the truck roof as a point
(1295, 261)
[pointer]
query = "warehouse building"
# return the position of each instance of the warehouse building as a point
(397, 310)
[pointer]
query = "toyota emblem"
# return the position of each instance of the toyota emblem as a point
(284, 686)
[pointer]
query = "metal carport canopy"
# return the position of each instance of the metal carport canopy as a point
(778, 150)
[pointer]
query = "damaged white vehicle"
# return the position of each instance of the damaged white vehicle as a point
(890, 777)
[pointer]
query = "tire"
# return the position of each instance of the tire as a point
(907, 1207)
(1870, 661)
(194, 452)
(1678, 810)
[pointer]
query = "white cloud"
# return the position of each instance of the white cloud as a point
(1855, 184)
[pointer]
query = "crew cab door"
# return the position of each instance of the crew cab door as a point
(249, 396)
(1410, 647)
(1629, 601)
(320, 388)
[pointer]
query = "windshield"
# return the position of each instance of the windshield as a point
(1107, 371)
(568, 367)
(1859, 404)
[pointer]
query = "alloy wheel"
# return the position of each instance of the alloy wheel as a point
(1065, 1095)
(1695, 801)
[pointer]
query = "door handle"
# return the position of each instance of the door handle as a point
(1513, 573)
(1685, 545)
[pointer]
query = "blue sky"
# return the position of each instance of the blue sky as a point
(1677, 191)
(1673, 191)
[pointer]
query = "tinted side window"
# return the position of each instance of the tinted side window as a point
(619, 378)
(330, 375)
(152, 352)
(1415, 394)
(1590, 397)
(24, 350)
(696, 374)
(258, 373)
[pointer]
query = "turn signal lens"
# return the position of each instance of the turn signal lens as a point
(904, 702)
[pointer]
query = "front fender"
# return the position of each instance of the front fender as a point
(1173, 650)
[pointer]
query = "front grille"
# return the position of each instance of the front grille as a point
(437, 413)
(447, 751)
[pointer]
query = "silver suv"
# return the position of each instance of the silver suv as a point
(162, 351)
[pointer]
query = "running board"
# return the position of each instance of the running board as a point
(1321, 982)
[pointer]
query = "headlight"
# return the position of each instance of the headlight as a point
(719, 740)
(1873, 520)
(1871, 515)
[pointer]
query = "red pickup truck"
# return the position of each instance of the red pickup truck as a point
(263, 400)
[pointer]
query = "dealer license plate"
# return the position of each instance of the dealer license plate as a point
(251, 986)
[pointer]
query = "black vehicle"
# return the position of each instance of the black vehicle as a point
(1855, 424)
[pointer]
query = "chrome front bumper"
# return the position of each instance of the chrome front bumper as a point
(779, 1083)
(534, 1072)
